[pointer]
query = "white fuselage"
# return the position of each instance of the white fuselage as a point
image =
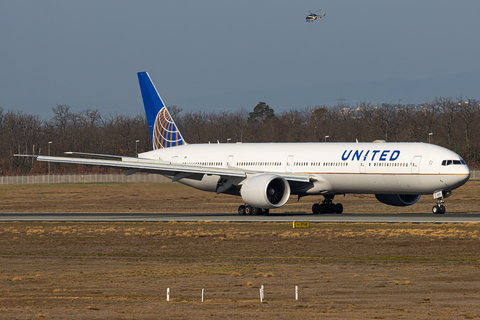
(337, 168)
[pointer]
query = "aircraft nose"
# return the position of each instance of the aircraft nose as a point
(463, 170)
(463, 173)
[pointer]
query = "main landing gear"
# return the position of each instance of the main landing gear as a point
(249, 210)
(327, 206)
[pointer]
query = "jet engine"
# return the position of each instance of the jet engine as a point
(266, 191)
(399, 200)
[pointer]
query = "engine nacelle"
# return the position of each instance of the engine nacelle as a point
(266, 191)
(399, 200)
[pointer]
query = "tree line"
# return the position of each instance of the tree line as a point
(452, 123)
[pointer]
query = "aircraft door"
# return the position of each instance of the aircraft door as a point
(230, 161)
(289, 164)
(416, 164)
(362, 167)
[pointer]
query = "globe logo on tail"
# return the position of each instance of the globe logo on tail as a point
(165, 132)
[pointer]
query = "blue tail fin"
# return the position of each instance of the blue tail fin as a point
(163, 131)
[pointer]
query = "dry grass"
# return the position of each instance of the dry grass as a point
(238, 232)
(92, 270)
(121, 270)
(174, 197)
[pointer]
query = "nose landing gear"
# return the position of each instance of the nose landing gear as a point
(439, 208)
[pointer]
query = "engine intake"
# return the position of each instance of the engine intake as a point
(399, 200)
(266, 191)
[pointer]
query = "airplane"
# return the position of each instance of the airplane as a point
(265, 175)
(312, 16)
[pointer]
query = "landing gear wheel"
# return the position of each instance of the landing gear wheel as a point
(338, 208)
(438, 209)
(248, 210)
(316, 208)
(321, 209)
(266, 212)
(256, 211)
(241, 210)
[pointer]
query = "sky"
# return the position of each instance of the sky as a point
(216, 55)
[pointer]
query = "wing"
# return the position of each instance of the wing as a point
(176, 170)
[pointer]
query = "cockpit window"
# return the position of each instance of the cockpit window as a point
(452, 162)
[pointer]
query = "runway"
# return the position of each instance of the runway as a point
(221, 217)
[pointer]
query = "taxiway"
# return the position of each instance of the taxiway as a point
(219, 217)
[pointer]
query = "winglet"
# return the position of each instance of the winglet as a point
(163, 131)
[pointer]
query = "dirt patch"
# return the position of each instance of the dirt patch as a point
(122, 270)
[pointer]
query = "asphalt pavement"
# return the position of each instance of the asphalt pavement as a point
(280, 217)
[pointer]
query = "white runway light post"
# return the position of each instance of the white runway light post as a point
(136, 152)
(429, 136)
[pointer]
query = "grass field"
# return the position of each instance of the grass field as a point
(174, 197)
(122, 270)
(61, 270)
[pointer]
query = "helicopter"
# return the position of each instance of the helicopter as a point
(312, 16)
